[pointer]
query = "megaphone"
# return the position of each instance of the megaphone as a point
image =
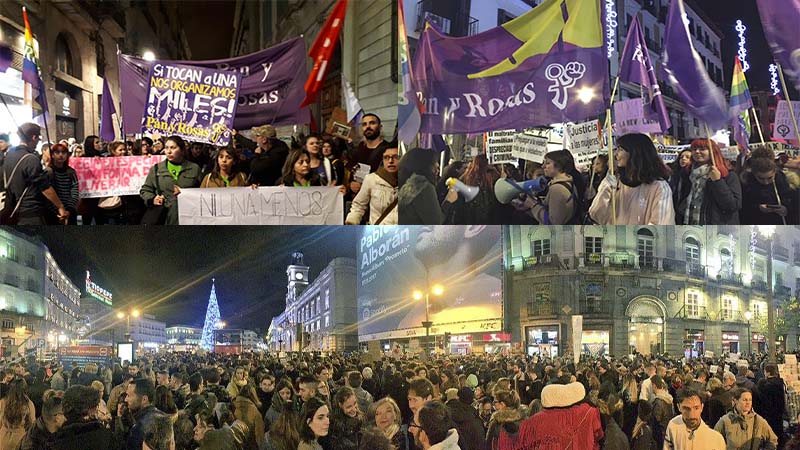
(468, 192)
(505, 189)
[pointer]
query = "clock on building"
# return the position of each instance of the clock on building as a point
(298, 276)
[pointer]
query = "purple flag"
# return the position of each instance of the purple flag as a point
(6, 57)
(687, 73)
(107, 110)
(270, 93)
(780, 19)
(635, 67)
(548, 65)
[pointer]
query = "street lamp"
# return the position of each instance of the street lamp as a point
(437, 290)
(766, 231)
(122, 314)
(749, 315)
(148, 55)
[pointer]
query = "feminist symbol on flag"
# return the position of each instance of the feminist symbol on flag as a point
(638, 54)
(564, 77)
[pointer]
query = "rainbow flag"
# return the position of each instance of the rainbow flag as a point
(741, 102)
(30, 66)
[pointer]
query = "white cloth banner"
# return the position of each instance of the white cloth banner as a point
(530, 148)
(784, 127)
(262, 206)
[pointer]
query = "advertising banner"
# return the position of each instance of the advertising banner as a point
(195, 103)
(262, 206)
(104, 177)
(81, 355)
(394, 262)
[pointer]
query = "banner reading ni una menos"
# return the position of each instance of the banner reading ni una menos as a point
(195, 103)
(262, 206)
(105, 177)
(271, 87)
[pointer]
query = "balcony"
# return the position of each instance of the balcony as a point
(730, 278)
(731, 315)
(457, 25)
(783, 291)
(759, 285)
(780, 253)
(696, 270)
(596, 307)
(674, 265)
(619, 260)
(541, 261)
(11, 280)
(692, 312)
(592, 259)
(540, 309)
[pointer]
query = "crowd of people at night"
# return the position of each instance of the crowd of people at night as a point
(44, 189)
(362, 401)
(701, 187)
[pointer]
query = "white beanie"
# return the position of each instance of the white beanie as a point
(561, 395)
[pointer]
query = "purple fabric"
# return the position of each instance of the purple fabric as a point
(635, 67)
(6, 57)
(274, 99)
(107, 110)
(687, 73)
(780, 19)
(541, 90)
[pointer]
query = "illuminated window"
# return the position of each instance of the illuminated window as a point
(729, 308)
(327, 299)
(593, 245)
(693, 304)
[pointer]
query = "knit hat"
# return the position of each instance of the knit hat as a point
(472, 381)
(561, 395)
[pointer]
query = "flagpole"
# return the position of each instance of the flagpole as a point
(611, 150)
(778, 196)
(789, 102)
(758, 126)
(710, 147)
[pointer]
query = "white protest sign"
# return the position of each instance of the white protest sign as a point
(668, 157)
(584, 141)
(784, 128)
(530, 148)
(499, 146)
(361, 172)
(262, 206)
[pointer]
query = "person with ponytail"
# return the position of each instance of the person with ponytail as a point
(641, 193)
(563, 203)
(715, 197)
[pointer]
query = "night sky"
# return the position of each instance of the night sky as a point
(167, 271)
(208, 26)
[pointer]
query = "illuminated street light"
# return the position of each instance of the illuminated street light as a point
(437, 290)
(766, 231)
(120, 315)
(148, 55)
(135, 313)
(585, 95)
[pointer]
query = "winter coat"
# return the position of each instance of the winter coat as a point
(739, 431)
(645, 204)
(720, 403)
(275, 410)
(722, 201)
(247, 412)
(468, 424)
(663, 412)
(449, 443)
(37, 438)
(755, 194)
(418, 204)
(615, 438)
(644, 441)
(231, 437)
(210, 181)
(344, 433)
(12, 434)
(403, 439)
(506, 421)
(142, 417)
(189, 177)
(559, 205)
(83, 435)
(376, 194)
(771, 402)
(556, 428)
(313, 445)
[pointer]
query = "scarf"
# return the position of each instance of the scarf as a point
(387, 176)
(694, 203)
(174, 169)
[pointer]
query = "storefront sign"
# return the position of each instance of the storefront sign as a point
(461, 339)
(730, 336)
(758, 338)
(96, 291)
(497, 337)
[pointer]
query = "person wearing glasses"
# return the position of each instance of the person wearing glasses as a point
(688, 431)
(378, 194)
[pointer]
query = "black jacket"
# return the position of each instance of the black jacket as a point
(468, 424)
(771, 402)
(83, 435)
(266, 167)
(755, 194)
(142, 417)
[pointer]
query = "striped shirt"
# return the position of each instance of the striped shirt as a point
(65, 183)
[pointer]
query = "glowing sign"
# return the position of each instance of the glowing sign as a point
(611, 27)
(96, 291)
(773, 82)
(740, 28)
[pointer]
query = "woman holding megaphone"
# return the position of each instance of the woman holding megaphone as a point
(562, 204)
(641, 192)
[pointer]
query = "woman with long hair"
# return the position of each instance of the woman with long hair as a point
(283, 434)
(484, 208)
(166, 179)
(17, 415)
(385, 416)
(315, 422)
(317, 161)
(284, 395)
(630, 397)
(225, 173)
(679, 180)
(64, 180)
(716, 194)
(417, 200)
(333, 153)
(597, 172)
(641, 193)
(297, 170)
(346, 420)
(563, 203)
(506, 419)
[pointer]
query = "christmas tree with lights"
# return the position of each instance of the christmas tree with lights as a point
(212, 318)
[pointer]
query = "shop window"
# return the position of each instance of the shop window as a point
(541, 247)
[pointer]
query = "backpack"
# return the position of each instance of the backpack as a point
(581, 214)
(9, 204)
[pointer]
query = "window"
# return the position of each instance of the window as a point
(593, 245)
(327, 321)
(726, 263)
(729, 308)
(327, 299)
(9, 253)
(64, 59)
(645, 247)
(8, 324)
(594, 298)
(757, 308)
(692, 251)
(541, 247)
(693, 306)
(318, 304)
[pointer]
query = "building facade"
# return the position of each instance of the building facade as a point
(366, 55)
(77, 46)
(146, 332)
(320, 315)
(183, 337)
(63, 300)
(682, 289)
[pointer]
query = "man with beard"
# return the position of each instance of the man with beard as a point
(378, 193)
(140, 391)
(458, 258)
(370, 149)
(688, 431)
(435, 428)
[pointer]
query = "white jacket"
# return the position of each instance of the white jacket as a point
(678, 437)
(449, 443)
(377, 194)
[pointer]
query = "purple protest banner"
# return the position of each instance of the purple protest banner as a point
(629, 117)
(195, 103)
(271, 90)
(548, 65)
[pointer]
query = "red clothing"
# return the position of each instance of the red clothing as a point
(554, 429)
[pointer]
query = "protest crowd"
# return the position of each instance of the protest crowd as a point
(257, 401)
(701, 187)
(43, 187)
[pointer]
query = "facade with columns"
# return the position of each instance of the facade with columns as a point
(681, 289)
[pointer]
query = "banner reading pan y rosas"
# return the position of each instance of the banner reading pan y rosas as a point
(104, 177)
(262, 206)
(195, 103)
(394, 261)
(271, 87)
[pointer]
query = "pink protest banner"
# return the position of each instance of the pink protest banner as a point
(105, 177)
(629, 118)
